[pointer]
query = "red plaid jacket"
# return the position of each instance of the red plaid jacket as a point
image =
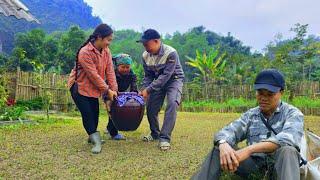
(94, 70)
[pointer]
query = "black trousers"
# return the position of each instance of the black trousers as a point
(89, 109)
(111, 128)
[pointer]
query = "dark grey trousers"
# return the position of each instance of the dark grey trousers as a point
(172, 91)
(285, 165)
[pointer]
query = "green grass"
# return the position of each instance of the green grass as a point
(57, 149)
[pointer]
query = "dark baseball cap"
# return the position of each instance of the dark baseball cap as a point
(269, 79)
(148, 35)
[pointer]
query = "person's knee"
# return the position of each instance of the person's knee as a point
(172, 104)
(287, 151)
(286, 162)
(285, 154)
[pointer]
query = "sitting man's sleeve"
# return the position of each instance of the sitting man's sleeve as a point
(292, 131)
(235, 132)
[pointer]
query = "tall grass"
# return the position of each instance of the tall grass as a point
(302, 102)
(240, 102)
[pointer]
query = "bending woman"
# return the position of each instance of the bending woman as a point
(92, 76)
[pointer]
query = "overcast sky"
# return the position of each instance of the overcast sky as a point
(254, 22)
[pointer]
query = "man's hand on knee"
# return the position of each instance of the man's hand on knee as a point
(261, 147)
(228, 158)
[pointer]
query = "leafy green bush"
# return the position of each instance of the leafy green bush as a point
(11, 113)
(3, 91)
(241, 102)
(231, 103)
(33, 104)
(306, 102)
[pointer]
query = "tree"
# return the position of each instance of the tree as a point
(69, 44)
(29, 51)
(211, 66)
(3, 60)
(297, 58)
(125, 42)
(186, 44)
(198, 38)
(50, 55)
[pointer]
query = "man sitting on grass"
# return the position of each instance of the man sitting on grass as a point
(273, 149)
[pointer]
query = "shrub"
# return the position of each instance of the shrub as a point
(33, 104)
(306, 102)
(11, 113)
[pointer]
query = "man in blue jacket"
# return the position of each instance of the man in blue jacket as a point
(163, 78)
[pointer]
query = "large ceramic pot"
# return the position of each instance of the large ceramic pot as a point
(127, 111)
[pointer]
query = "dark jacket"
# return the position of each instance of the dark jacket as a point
(127, 81)
(124, 83)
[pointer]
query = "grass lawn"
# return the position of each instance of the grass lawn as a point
(57, 149)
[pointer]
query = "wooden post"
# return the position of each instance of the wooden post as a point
(17, 84)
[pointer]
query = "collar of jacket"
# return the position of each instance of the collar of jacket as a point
(278, 109)
(91, 47)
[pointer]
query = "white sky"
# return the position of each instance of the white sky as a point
(254, 22)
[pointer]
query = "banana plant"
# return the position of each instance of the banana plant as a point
(211, 66)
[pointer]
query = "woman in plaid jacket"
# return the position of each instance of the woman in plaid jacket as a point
(92, 76)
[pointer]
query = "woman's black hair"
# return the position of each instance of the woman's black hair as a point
(101, 31)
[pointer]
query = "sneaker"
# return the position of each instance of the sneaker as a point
(163, 145)
(118, 137)
(148, 138)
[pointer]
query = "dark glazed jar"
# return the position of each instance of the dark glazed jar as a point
(127, 111)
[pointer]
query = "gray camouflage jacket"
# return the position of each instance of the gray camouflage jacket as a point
(287, 121)
(161, 68)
